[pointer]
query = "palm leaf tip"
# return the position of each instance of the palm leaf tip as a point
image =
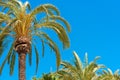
(37, 58)
(0, 70)
(6, 59)
(76, 56)
(27, 5)
(12, 64)
(117, 72)
(78, 61)
(62, 20)
(55, 48)
(96, 58)
(86, 59)
(43, 48)
(51, 7)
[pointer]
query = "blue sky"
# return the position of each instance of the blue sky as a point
(95, 29)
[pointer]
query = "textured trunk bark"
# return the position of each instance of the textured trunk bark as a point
(22, 66)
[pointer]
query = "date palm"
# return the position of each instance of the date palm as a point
(109, 75)
(50, 76)
(25, 29)
(79, 71)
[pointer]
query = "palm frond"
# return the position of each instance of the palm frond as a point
(58, 29)
(38, 10)
(27, 6)
(78, 62)
(5, 60)
(70, 67)
(51, 7)
(37, 58)
(21, 6)
(6, 30)
(80, 72)
(10, 52)
(43, 48)
(45, 8)
(12, 63)
(116, 73)
(51, 44)
(1, 44)
(8, 11)
(108, 75)
(96, 58)
(55, 19)
(110, 71)
(2, 38)
(65, 75)
(61, 19)
(11, 6)
(57, 54)
(4, 17)
(90, 69)
(3, 9)
(86, 60)
(17, 3)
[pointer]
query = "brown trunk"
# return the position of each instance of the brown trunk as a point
(22, 46)
(22, 66)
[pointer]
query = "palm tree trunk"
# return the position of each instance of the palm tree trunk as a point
(22, 66)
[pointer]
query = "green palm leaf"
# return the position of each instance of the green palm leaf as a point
(7, 57)
(55, 18)
(61, 19)
(52, 45)
(11, 6)
(12, 63)
(44, 8)
(50, 7)
(77, 62)
(43, 48)
(80, 72)
(108, 75)
(37, 58)
(4, 17)
(27, 6)
(58, 29)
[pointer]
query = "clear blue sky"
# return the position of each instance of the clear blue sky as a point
(95, 28)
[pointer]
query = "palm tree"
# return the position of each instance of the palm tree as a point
(79, 71)
(109, 75)
(25, 29)
(50, 76)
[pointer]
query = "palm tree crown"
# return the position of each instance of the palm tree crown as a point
(79, 71)
(21, 24)
(109, 75)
